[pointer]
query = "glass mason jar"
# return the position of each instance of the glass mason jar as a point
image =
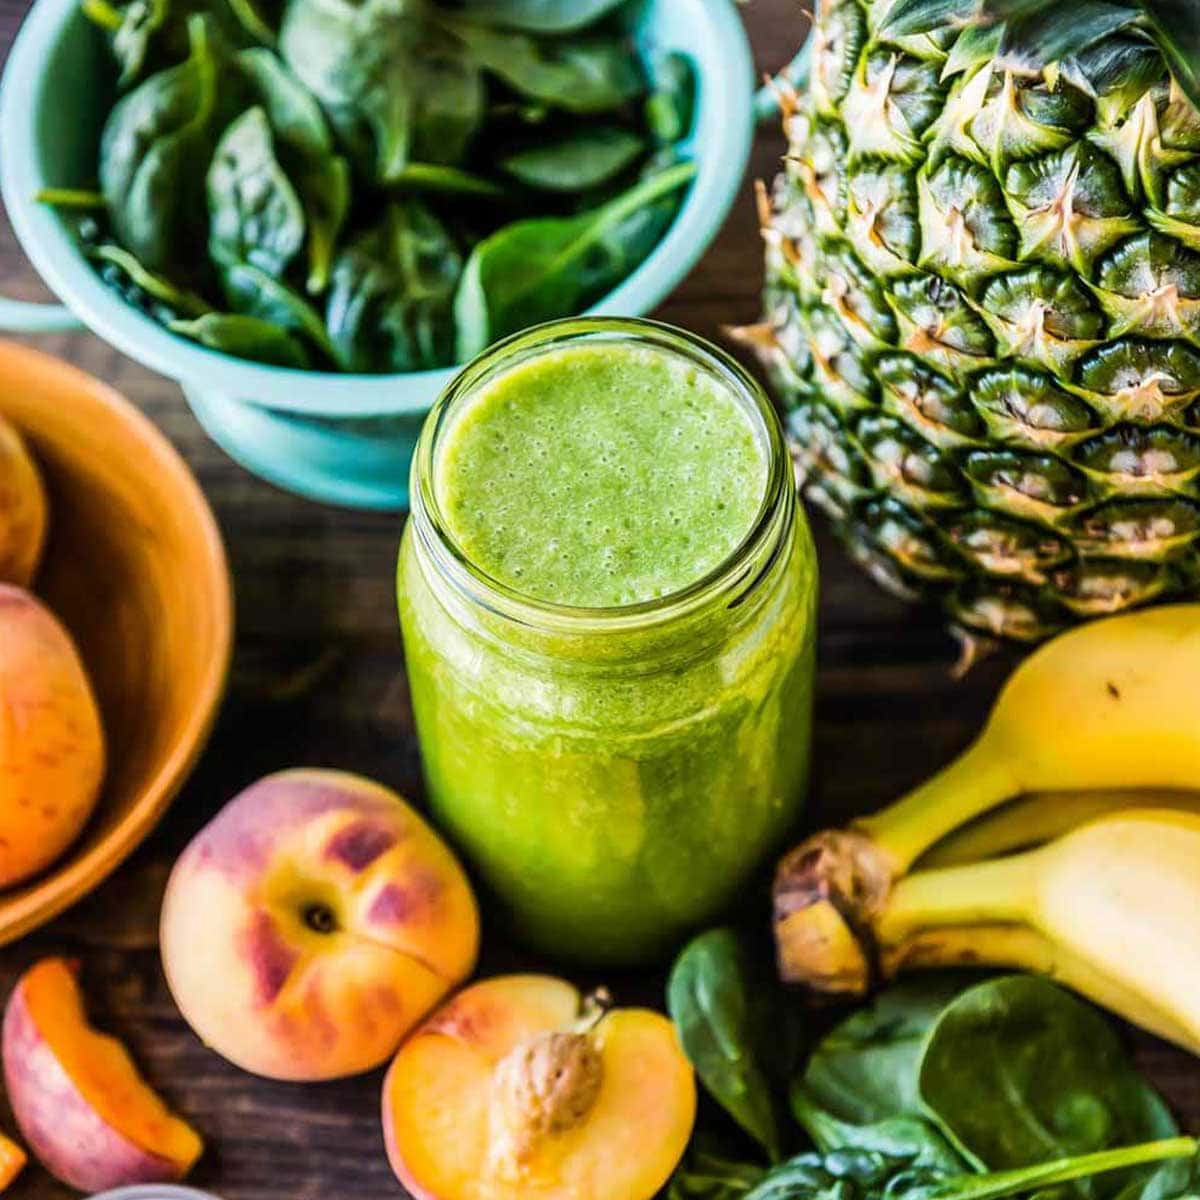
(615, 775)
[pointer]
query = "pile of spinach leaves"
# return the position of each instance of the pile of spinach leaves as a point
(949, 1087)
(378, 185)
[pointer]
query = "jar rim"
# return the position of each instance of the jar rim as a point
(727, 581)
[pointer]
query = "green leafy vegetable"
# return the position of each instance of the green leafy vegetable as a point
(580, 75)
(852, 1174)
(123, 271)
(255, 214)
(536, 16)
(576, 162)
(255, 293)
(391, 294)
(1017, 1071)
(706, 1174)
(536, 270)
(395, 85)
(715, 998)
(866, 1069)
(294, 115)
(437, 179)
(671, 105)
(154, 153)
(245, 337)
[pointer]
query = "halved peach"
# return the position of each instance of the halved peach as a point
(22, 509)
(51, 739)
(520, 1088)
(78, 1099)
(12, 1162)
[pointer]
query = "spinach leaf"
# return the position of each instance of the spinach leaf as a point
(446, 181)
(394, 84)
(544, 268)
(255, 23)
(580, 75)
(140, 21)
(321, 178)
(865, 1070)
(1176, 1180)
(853, 1174)
(153, 294)
(577, 162)
(391, 292)
(712, 996)
(1017, 1070)
(255, 214)
(154, 152)
(245, 337)
(537, 16)
(671, 106)
(706, 1174)
(254, 293)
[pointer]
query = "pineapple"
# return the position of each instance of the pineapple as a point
(983, 301)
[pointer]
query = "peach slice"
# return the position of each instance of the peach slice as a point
(79, 1101)
(51, 739)
(519, 1089)
(12, 1162)
(23, 509)
(313, 923)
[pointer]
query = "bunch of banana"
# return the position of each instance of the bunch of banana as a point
(1086, 784)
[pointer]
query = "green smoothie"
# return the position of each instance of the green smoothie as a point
(597, 478)
(616, 773)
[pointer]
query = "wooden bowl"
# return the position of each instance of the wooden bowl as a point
(135, 568)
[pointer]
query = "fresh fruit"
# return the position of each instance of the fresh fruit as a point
(1034, 820)
(12, 1162)
(1108, 705)
(1109, 909)
(983, 302)
(519, 1087)
(23, 514)
(313, 923)
(82, 1107)
(51, 739)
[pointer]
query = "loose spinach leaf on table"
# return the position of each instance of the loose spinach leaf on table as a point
(395, 85)
(254, 293)
(854, 1174)
(865, 1070)
(737, 1030)
(707, 1174)
(255, 215)
(536, 16)
(1017, 1071)
(391, 293)
(154, 154)
(548, 267)
(245, 337)
(575, 162)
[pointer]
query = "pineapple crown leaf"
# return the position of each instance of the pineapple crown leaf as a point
(1039, 32)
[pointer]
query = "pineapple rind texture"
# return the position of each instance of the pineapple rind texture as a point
(983, 320)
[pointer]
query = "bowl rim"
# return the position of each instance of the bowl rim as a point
(727, 96)
(80, 872)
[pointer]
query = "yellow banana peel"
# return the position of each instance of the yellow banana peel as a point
(1111, 705)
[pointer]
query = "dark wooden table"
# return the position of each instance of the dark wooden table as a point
(319, 680)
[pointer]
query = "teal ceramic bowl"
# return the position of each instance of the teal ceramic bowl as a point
(343, 439)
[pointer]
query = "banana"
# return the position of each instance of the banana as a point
(1109, 908)
(1109, 705)
(1032, 820)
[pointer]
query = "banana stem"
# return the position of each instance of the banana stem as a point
(1025, 1179)
(977, 781)
(998, 892)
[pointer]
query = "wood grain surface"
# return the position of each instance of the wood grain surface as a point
(319, 679)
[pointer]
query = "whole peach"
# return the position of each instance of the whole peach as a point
(51, 739)
(22, 509)
(313, 923)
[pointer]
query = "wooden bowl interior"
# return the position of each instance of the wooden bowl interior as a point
(135, 568)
